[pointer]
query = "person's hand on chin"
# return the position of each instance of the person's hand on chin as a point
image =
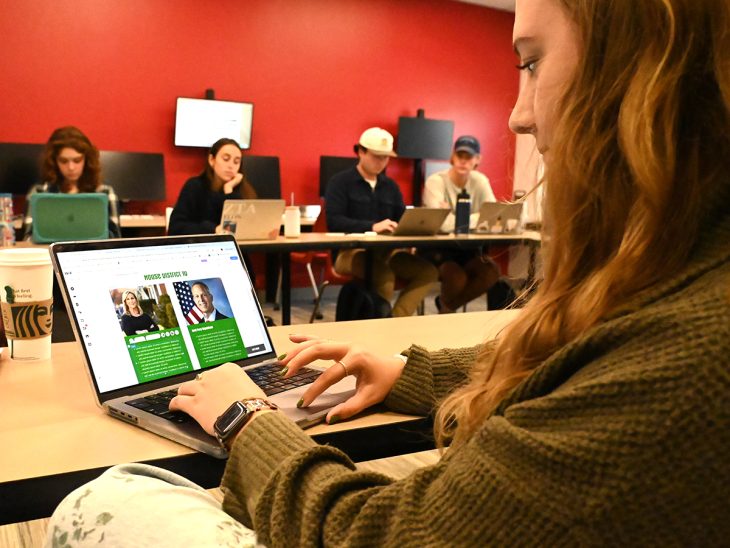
(229, 186)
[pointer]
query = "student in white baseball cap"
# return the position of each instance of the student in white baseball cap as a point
(363, 199)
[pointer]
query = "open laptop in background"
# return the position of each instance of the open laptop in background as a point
(420, 221)
(66, 217)
(136, 371)
(500, 218)
(253, 219)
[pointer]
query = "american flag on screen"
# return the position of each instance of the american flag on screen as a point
(192, 313)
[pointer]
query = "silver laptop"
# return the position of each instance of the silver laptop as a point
(253, 219)
(131, 354)
(421, 221)
(500, 218)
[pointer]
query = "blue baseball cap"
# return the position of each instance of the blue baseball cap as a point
(467, 143)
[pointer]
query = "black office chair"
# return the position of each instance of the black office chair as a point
(264, 175)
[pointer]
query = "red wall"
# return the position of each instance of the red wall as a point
(318, 71)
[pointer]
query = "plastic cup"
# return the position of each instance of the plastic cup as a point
(292, 222)
(26, 300)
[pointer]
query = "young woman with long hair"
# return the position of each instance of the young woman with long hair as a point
(200, 204)
(71, 165)
(600, 416)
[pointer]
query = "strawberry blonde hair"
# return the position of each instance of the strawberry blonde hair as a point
(639, 162)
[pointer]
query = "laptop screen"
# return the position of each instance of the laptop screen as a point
(149, 310)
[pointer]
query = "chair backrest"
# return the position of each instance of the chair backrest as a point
(330, 166)
(264, 175)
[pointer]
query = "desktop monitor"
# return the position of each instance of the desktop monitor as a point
(332, 165)
(201, 122)
(20, 167)
(134, 175)
(424, 138)
(264, 175)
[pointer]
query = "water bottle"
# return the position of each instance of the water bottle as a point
(7, 230)
(463, 211)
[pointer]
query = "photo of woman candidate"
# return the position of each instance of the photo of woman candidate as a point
(134, 320)
(71, 166)
(200, 203)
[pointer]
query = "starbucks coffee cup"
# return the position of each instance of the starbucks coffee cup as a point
(26, 299)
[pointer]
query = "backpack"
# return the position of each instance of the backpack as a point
(355, 302)
(500, 295)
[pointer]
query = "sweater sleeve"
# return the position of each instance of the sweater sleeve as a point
(428, 377)
(186, 217)
(296, 493)
(336, 202)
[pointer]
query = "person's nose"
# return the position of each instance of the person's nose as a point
(522, 119)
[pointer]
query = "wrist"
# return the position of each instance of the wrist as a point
(237, 416)
(229, 443)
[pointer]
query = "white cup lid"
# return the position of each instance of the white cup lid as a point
(25, 256)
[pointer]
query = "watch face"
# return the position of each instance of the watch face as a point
(230, 418)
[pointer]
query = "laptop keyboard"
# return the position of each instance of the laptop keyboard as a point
(267, 377)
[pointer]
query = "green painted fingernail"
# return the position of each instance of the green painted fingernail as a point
(284, 371)
(281, 357)
(335, 419)
(300, 402)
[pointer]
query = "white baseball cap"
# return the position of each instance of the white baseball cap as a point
(378, 141)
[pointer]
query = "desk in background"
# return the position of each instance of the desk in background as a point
(54, 437)
(318, 241)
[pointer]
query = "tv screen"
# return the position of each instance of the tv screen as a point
(201, 122)
(423, 138)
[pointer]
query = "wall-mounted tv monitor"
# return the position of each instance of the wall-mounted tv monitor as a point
(424, 138)
(201, 122)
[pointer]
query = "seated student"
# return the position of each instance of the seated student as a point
(71, 165)
(135, 320)
(362, 199)
(200, 203)
(465, 274)
(600, 416)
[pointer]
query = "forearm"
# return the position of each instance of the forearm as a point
(429, 377)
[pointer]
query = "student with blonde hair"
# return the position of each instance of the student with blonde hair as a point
(600, 416)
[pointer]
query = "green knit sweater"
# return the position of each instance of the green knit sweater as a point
(621, 437)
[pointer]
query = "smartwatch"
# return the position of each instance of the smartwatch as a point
(237, 416)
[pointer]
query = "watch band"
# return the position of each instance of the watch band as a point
(237, 416)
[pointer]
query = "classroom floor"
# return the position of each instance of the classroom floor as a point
(302, 303)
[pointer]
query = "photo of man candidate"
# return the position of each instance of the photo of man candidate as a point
(203, 299)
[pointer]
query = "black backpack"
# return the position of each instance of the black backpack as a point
(500, 295)
(355, 302)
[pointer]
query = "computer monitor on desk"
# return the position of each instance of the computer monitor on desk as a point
(264, 175)
(134, 175)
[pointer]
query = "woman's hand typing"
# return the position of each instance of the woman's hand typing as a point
(212, 392)
(376, 375)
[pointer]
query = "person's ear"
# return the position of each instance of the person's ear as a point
(211, 160)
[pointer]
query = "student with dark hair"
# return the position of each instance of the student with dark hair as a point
(362, 199)
(600, 416)
(200, 203)
(70, 166)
